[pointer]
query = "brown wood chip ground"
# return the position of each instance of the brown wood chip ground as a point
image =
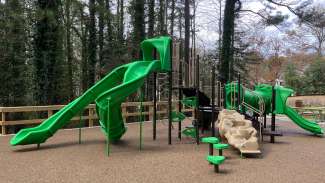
(295, 157)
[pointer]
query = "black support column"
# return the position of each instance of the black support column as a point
(170, 87)
(273, 113)
(212, 101)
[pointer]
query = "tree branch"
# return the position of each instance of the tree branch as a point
(286, 6)
(262, 16)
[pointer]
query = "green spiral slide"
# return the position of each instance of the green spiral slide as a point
(264, 92)
(108, 93)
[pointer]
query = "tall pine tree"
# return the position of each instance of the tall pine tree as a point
(49, 65)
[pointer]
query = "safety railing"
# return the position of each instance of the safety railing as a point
(129, 109)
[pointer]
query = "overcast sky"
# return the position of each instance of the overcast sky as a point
(208, 14)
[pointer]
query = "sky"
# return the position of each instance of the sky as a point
(208, 14)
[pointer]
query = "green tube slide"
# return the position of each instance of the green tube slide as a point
(264, 92)
(112, 90)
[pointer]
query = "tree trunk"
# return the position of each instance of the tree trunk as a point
(187, 40)
(92, 43)
(227, 37)
(69, 50)
(172, 18)
(101, 9)
(151, 18)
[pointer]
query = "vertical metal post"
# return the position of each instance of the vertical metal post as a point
(219, 94)
(239, 94)
(273, 113)
(180, 97)
(154, 120)
(141, 118)
(80, 124)
(170, 87)
(107, 128)
(210, 149)
(212, 101)
(264, 119)
(197, 100)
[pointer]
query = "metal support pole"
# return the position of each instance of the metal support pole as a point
(80, 121)
(265, 120)
(197, 100)
(180, 97)
(170, 87)
(219, 95)
(154, 120)
(141, 118)
(210, 149)
(273, 114)
(212, 101)
(107, 128)
(239, 94)
(216, 168)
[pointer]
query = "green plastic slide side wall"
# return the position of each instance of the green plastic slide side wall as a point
(162, 44)
(282, 95)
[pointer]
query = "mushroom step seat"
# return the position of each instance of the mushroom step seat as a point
(220, 147)
(216, 161)
(210, 141)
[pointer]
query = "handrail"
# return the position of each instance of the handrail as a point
(261, 102)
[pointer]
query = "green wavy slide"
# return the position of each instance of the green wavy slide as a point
(302, 122)
(264, 91)
(108, 93)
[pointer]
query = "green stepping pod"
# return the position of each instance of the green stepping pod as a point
(177, 116)
(210, 140)
(189, 102)
(189, 132)
(216, 160)
(220, 146)
(112, 90)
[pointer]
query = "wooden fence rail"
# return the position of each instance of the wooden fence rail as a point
(89, 113)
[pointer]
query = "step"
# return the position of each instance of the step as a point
(216, 160)
(221, 146)
(210, 140)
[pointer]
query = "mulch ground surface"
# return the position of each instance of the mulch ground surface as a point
(296, 157)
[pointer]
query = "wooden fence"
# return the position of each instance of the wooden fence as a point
(89, 114)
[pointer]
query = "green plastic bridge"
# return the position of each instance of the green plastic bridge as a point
(108, 93)
(264, 92)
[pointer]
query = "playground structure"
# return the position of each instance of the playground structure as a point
(112, 90)
(266, 99)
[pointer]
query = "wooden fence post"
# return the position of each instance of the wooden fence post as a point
(49, 113)
(124, 112)
(3, 119)
(151, 112)
(91, 117)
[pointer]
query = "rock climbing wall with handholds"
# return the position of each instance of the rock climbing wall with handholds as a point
(237, 130)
